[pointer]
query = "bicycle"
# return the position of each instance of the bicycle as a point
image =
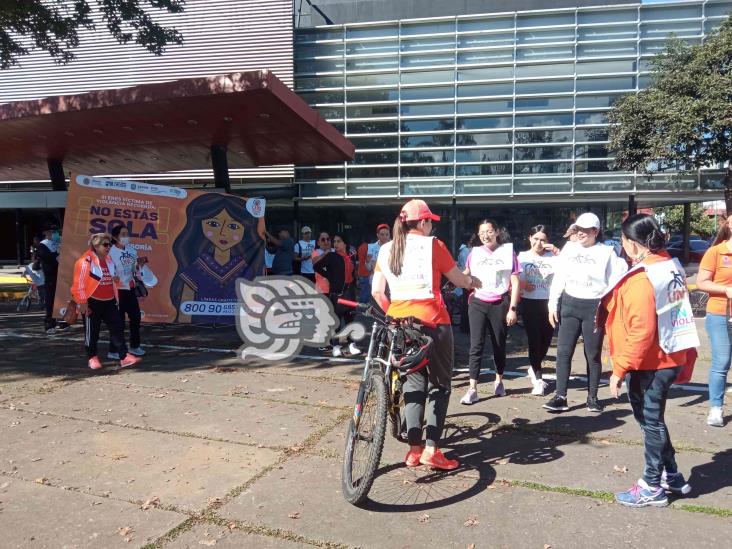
(32, 295)
(397, 348)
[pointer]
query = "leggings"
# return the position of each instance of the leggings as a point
(488, 317)
(577, 317)
(98, 311)
(535, 314)
(128, 305)
(427, 392)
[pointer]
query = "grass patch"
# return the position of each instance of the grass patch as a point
(715, 511)
(595, 494)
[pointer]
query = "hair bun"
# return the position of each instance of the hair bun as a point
(656, 241)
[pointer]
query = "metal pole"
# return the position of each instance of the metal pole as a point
(19, 236)
(632, 208)
(220, 167)
(687, 230)
(453, 228)
(56, 173)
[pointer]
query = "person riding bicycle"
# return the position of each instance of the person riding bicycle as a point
(412, 264)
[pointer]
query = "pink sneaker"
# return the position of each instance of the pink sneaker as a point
(94, 363)
(129, 360)
(412, 459)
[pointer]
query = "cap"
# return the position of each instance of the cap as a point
(306, 229)
(586, 221)
(382, 226)
(416, 210)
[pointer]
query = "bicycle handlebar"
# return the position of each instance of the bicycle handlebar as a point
(365, 308)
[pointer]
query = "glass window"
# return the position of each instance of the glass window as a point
(445, 155)
(666, 183)
(718, 9)
(591, 34)
(605, 67)
(543, 153)
(330, 113)
(488, 24)
(322, 97)
(308, 35)
(485, 40)
(319, 190)
(427, 171)
(425, 77)
(603, 84)
(585, 101)
(382, 126)
(644, 82)
(372, 188)
(606, 16)
(602, 184)
(318, 50)
(680, 28)
(653, 13)
(711, 26)
(553, 20)
(409, 29)
(427, 125)
(487, 73)
(592, 134)
(594, 166)
(375, 142)
(544, 103)
(318, 82)
(485, 57)
(591, 118)
(372, 111)
(493, 138)
(484, 122)
(383, 79)
(547, 86)
(542, 185)
(483, 186)
(321, 65)
(473, 107)
(380, 31)
(416, 187)
(357, 173)
(591, 151)
(554, 35)
(428, 109)
(612, 49)
(543, 136)
(358, 48)
(427, 44)
(477, 90)
(542, 168)
(371, 63)
(434, 92)
(320, 173)
(553, 69)
(340, 126)
(427, 60)
(543, 120)
(712, 181)
(482, 169)
(538, 54)
(483, 155)
(381, 157)
(354, 96)
(437, 140)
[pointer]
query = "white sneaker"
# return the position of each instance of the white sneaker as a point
(337, 351)
(353, 349)
(137, 351)
(471, 397)
(113, 356)
(499, 389)
(715, 417)
(539, 387)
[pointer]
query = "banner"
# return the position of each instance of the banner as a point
(196, 244)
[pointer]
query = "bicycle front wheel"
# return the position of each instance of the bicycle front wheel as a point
(24, 304)
(365, 440)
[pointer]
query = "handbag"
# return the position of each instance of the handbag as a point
(140, 289)
(71, 314)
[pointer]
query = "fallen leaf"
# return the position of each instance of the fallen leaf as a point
(295, 515)
(424, 518)
(41, 480)
(152, 502)
(124, 531)
(118, 456)
(208, 542)
(213, 501)
(471, 521)
(547, 546)
(471, 546)
(618, 469)
(502, 461)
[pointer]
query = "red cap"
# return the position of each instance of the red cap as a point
(417, 210)
(382, 226)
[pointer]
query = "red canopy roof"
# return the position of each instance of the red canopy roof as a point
(167, 127)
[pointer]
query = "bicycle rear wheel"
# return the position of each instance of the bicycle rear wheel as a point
(365, 441)
(24, 304)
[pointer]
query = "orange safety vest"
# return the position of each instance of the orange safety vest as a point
(88, 274)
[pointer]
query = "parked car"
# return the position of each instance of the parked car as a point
(696, 249)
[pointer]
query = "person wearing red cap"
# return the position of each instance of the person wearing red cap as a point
(367, 254)
(412, 265)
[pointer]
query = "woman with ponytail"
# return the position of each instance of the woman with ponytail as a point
(412, 264)
(652, 338)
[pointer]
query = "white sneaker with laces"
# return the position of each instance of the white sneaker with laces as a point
(715, 417)
(499, 389)
(353, 349)
(471, 397)
(137, 351)
(539, 387)
(113, 356)
(337, 351)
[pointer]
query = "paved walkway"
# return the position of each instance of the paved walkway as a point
(194, 449)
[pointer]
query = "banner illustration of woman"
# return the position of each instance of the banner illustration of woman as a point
(220, 242)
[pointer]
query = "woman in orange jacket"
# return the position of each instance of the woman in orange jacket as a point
(652, 337)
(95, 291)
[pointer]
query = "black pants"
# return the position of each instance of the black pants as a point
(345, 314)
(577, 316)
(309, 276)
(647, 392)
(128, 305)
(49, 321)
(107, 311)
(430, 387)
(487, 317)
(535, 315)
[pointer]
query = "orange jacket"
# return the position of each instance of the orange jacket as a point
(88, 274)
(632, 325)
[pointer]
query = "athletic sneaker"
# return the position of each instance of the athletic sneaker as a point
(113, 356)
(129, 360)
(675, 482)
(137, 351)
(412, 459)
(499, 389)
(94, 363)
(715, 417)
(557, 404)
(471, 397)
(593, 405)
(539, 387)
(352, 349)
(439, 461)
(337, 351)
(642, 495)
(50, 331)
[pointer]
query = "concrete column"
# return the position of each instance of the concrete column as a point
(56, 173)
(220, 167)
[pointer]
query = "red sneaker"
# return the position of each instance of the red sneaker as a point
(439, 461)
(129, 360)
(412, 459)
(94, 363)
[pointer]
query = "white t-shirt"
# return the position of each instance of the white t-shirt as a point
(305, 247)
(415, 281)
(125, 264)
(537, 272)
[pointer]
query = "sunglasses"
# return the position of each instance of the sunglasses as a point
(105, 244)
(325, 239)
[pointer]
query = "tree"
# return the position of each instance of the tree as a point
(683, 120)
(672, 218)
(53, 26)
